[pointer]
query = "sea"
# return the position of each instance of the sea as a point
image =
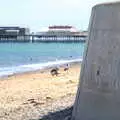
(24, 57)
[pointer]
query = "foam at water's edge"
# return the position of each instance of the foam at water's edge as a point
(33, 67)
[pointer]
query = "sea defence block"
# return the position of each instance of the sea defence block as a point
(98, 95)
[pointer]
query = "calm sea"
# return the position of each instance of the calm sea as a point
(23, 57)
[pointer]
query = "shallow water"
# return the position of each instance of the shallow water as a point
(22, 57)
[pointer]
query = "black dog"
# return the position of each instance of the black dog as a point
(54, 71)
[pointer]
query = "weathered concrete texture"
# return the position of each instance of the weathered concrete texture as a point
(98, 96)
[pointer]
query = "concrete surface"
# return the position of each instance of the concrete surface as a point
(98, 96)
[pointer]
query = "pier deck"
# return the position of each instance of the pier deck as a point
(42, 38)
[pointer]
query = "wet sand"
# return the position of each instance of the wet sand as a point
(32, 95)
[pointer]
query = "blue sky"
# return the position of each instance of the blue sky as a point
(38, 14)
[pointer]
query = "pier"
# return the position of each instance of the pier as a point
(53, 34)
(60, 34)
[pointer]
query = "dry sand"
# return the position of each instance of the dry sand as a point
(29, 96)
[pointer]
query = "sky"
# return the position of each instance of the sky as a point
(39, 14)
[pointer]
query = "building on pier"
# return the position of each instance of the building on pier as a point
(61, 33)
(14, 33)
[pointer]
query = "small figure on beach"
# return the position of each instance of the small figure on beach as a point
(54, 71)
(66, 67)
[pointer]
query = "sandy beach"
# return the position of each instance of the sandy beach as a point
(30, 96)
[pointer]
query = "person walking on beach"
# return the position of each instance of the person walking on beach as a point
(66, 67)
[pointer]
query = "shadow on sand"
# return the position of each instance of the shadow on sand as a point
(59, 115)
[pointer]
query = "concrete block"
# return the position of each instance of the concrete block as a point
(98, 95)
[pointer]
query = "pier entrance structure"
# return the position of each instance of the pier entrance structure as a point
(8, 34)
(61, 34)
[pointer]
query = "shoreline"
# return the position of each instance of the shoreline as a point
(44, 70)
(34, 94)
(70, 62)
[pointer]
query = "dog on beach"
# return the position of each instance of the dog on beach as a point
(54, 71)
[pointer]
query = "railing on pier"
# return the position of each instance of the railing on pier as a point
(42, 38)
